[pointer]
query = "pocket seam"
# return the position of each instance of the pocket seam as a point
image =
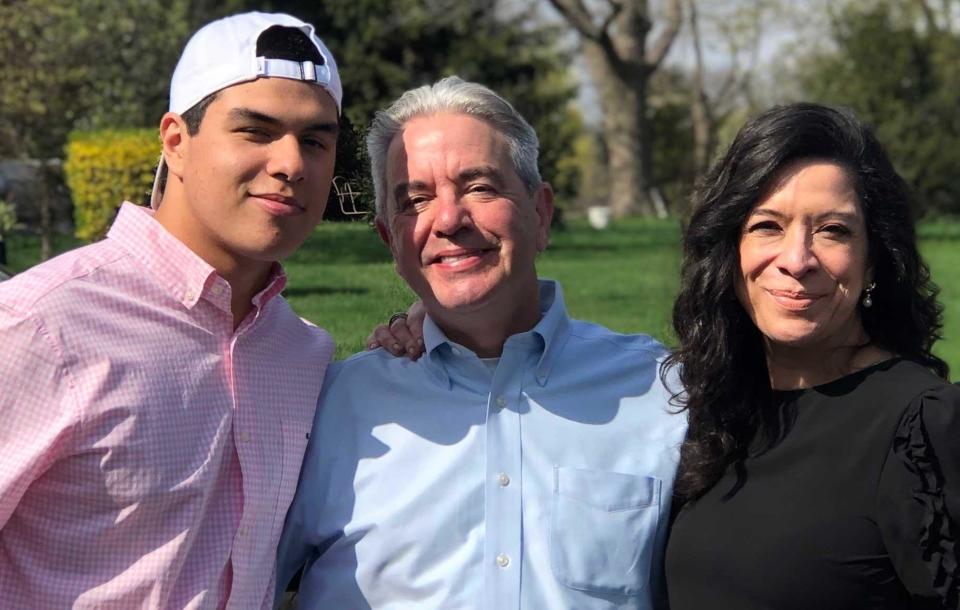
(654, 497)
(557, 563)
(617, 508)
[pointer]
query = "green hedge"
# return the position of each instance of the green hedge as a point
(103, 169)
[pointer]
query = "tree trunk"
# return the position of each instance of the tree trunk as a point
(620, 65)
(46, 213)
(623, 103)
(701, 115)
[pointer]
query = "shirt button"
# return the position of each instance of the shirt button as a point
(503, 479)
(244, 437)
(502, 560)
(243, 531)
(189, 296)
(216, 289)
(456, 351)
(501, 401)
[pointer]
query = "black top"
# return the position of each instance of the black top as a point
(856, 506)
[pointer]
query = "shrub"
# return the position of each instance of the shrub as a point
(105, 168)
(8, 218)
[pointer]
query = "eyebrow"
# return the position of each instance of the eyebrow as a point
(770, 213)
(466, 175)
(482, 171)
(247, 114)
(405, 187)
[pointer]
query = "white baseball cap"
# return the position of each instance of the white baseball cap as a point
(224, 53)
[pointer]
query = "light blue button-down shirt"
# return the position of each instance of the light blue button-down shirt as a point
(542, 484)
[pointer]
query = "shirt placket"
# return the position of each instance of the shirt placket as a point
(249, 458)
(503, 486)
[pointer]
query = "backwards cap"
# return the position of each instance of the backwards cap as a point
(224, 53)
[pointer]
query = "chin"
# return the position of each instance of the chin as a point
(461, 301)
(454, 305)
(795, 338)
(274, 247)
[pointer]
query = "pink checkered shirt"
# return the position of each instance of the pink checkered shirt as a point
(148, 452)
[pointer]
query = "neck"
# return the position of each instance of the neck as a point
(485, 335)
(792, 368)
(246, 277)
(243, 285)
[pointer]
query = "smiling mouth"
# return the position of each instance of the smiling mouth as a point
(460, 258)
(794, 301)
(280, 205)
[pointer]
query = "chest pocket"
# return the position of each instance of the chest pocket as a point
(603, 530)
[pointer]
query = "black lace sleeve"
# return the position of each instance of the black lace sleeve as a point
(919, 496)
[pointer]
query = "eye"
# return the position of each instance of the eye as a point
(317, 143)
(411, 204)
(763, 227)
(836, 230)
(254, 133)
(481, 190)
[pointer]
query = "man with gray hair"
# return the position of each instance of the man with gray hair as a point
(526, 460)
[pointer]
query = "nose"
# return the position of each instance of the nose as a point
(450, 214)
(797, 257)
(286, 161)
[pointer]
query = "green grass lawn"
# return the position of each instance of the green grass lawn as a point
(625, 278)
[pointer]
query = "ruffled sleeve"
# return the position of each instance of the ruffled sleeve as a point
(919, 496)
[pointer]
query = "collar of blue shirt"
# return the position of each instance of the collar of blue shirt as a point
(547, 338)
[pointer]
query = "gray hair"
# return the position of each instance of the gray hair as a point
(455, 95)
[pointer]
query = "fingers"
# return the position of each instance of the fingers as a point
(401, 332)
(382, 337)
(398, 339)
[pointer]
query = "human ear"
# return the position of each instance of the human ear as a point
(383, 231)
(174, 137)
(544, 205)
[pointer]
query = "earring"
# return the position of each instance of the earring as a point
(868, 294)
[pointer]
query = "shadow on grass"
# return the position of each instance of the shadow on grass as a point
(313, 291)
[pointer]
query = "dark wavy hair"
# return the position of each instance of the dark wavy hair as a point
(720, 359)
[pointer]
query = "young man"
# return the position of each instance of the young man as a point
(526, 460)
(156, 392)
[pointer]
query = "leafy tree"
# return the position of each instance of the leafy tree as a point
(384, 47)
(83, 63)
(902, 76)
(91, 64)
(733, 30)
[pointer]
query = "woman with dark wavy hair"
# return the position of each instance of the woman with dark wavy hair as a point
(822, 464)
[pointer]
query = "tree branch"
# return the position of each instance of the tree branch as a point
(617, 8)
(697, 47)
(659, 49)
(928, 15)
(578, 16)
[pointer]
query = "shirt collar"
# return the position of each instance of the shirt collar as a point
(183, 274)
(553, 328)
(551, 333)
